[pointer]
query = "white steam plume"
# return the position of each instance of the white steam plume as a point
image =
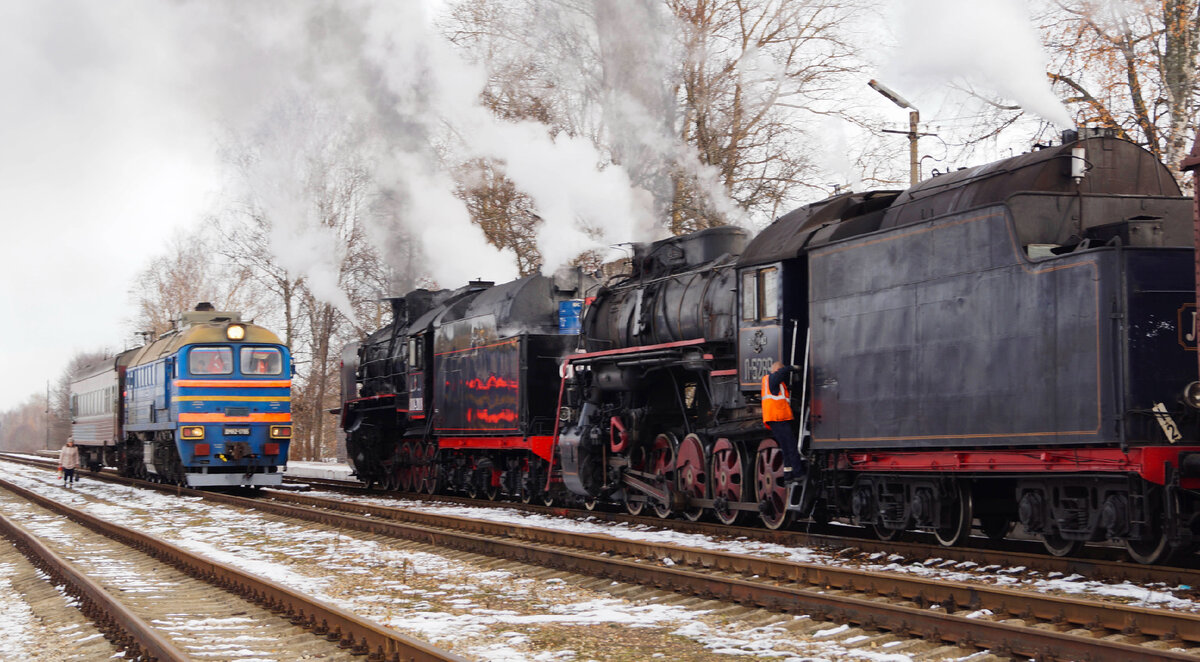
(434, 84)
(991, 44)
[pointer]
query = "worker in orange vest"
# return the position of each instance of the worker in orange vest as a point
(777, 415)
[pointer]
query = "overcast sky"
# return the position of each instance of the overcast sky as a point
(110, 115)
(101, 159)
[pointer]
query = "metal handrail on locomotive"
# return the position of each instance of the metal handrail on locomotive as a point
(207, 404)
(1010, 344)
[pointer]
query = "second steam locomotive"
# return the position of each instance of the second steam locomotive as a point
(1008, 344)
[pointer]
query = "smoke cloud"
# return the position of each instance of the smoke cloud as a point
(989, 44)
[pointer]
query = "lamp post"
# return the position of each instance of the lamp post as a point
(914, 118)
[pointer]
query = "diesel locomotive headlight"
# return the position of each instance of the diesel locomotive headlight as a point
(1191, 395)
(192, 432)
(235, 332)
(281, 432)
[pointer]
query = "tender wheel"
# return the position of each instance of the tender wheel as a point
(490, 489)
(958, 529)
(769, 488)
(691, 470)
(886, 534)
(995, 527)
(728, 477)
(1059, 546)
(1154, 551)
(662, 464)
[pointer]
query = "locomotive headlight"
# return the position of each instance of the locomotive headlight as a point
(281, 432)
(1191, 395)
(235, 332)
(192, 432)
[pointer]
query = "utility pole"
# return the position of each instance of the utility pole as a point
(47, 414)
(914, 119)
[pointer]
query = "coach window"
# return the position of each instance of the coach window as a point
(261, 361)
(210, 361)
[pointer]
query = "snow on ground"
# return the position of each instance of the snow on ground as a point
(936, 568)
(15, 619)
(477, 611)
(327, 470)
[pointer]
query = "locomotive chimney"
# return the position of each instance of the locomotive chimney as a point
(399, 309)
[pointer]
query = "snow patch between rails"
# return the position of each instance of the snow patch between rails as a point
(465, 606)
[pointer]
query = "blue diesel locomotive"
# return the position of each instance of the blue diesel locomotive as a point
(205, 405)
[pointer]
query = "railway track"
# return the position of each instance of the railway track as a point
(851, 542)
(158, 601)
(1015, 622)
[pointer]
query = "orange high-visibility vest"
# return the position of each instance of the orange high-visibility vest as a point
(775, 407)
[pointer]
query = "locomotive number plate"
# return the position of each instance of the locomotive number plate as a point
(236, 431)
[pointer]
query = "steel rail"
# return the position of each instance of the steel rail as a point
(1172, 625)
(980, 551)
(120, 625)
(531, 545)
(600, 556)
(1094, 563)
(353, 632)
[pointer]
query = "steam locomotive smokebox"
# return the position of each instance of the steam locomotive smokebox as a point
(568, 316)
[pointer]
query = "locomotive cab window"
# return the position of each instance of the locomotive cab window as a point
(261, 361)
(760, 294)
(210, 361)
(414, 351)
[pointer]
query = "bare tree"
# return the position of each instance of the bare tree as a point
(1130, 66)
(749, 68)
(703, 102)
(23, 428)
(299, 229)
(504, 214)
(189, 272)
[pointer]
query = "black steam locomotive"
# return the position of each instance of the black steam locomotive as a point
(1012, 343)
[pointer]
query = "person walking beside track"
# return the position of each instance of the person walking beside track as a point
(68, 459)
